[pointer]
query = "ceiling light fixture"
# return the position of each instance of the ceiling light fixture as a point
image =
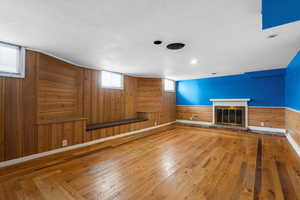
(194, 61)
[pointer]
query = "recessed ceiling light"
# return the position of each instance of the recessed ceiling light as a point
(272, 36)
(175, 46)
(194, 61)
(157, 42)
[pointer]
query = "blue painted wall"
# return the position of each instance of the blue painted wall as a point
(292, 91)
(265, 88)
(278, 12)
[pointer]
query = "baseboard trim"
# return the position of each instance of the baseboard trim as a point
(267, 130)
(207, 124)
(47, 153)
(248, 106)
(291, 109)
(195, 122)
(256, 129)
(293, 143)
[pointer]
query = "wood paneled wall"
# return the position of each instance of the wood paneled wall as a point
(168, 111)
(59, 89)
(204, 113)
(56, 100)
(18, 113)
(105, 105)
(272, 117)
(292, 124)
(51, 135)
(2, 118)
(149, 96)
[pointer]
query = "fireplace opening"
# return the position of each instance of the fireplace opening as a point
(230, 115)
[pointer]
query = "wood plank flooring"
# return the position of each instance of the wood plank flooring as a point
(182, 163)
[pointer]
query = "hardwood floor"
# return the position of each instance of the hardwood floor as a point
(182, 163)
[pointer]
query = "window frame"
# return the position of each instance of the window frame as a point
(165, 85)
(110, 87)
(21, 67)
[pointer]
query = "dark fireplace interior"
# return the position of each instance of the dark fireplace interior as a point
(230, 116)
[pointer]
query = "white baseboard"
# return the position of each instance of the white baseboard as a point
(267, 130)
(195, 122)
(293, 143)
(34, 156)
(257, 129)
(292, 109)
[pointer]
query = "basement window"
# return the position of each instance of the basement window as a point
(12, 60)
(169, 85)
(111, 80)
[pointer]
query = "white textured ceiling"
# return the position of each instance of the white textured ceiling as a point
(117, 35)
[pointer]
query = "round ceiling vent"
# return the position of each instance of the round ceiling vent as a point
(175, 46)
(272, 36)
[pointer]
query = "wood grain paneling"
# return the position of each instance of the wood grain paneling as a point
(149, 95)
(151, 98)
(2, 118)
(14, 118)
(59, 89)
(106, 105)
(51, 135)
(168, 111)
(292, 124)
(203, 113)
(30, 101)
(40, 111)
(18, 99)
(272, 117)
(130, 86)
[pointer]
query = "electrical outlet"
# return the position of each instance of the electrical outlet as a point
(195, 115)
(262, 123)
(65, 143)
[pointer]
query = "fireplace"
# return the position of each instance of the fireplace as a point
(230, 116)
(230, 112)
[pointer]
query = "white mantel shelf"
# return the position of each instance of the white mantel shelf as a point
(230, 100)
